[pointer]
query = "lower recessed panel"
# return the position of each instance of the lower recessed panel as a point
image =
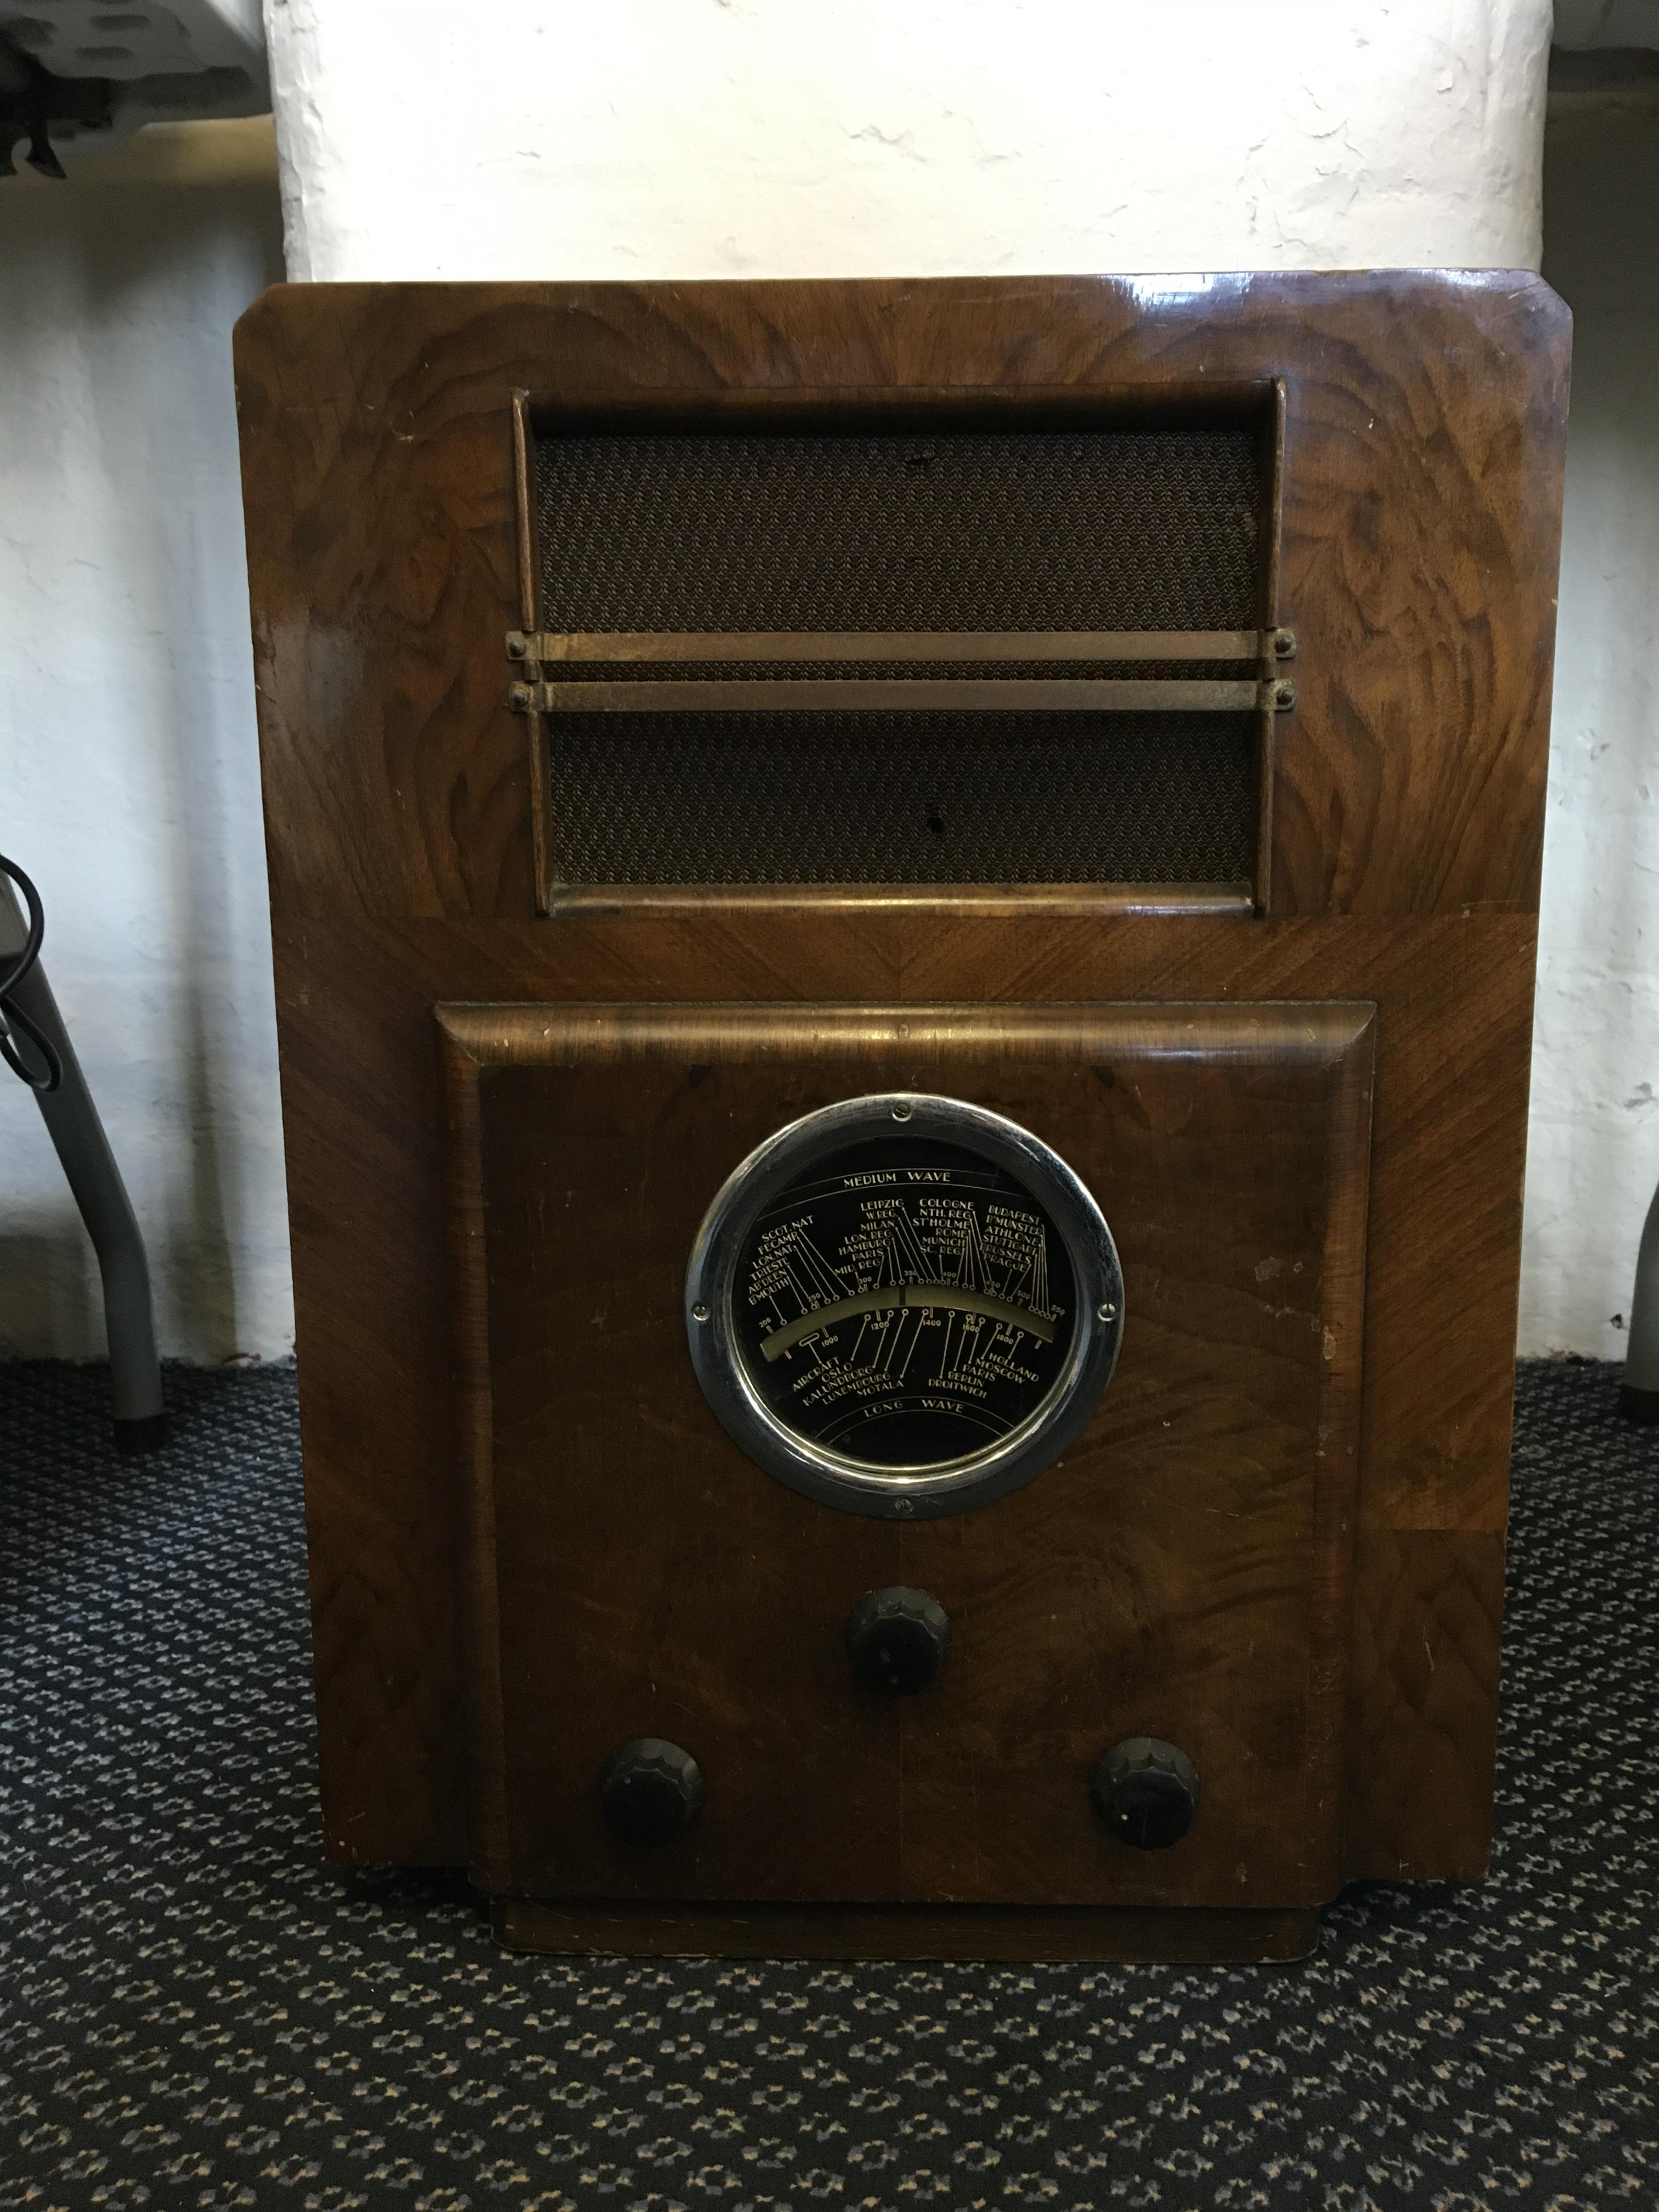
(1115, 1682)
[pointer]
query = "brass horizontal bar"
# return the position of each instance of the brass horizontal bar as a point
(907, 1294)
(1056, 694)
(1081, 901)
(963, 645)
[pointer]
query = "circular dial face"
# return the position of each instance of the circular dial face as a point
(903, 1304)
(904, 1301)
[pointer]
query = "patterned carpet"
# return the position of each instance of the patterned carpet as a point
(194, 2012)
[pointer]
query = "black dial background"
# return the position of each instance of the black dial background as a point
(895, 1385)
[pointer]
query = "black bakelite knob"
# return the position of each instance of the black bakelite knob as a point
(1146, 1791)
(649, 1791)
(898, 1640)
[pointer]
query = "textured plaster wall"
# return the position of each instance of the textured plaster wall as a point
(1595, 1140)
(851, 138)
(128, 764)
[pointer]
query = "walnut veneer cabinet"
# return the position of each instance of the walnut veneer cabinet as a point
(905, 919)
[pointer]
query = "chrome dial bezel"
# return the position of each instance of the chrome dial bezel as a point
(835, 1478)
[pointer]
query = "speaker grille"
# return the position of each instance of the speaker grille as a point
(902, 799)
(1004, 530)
(959, 530)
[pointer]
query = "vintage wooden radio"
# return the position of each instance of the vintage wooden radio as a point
(904, 922)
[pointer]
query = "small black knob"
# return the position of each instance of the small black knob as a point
(898, 1640)
(649, 1791)
(1146, 1791)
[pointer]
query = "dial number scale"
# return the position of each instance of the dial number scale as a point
(908, 1303)
(903, 1304)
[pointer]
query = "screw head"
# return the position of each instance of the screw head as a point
(1107, 1312)
(517, 697)
(1284, 643)
(903, 1110)
(699, 1313)
(1285, 695)
(515, 648)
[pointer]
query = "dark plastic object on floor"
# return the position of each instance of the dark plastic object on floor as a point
(1638, 1396)
(38, 1048)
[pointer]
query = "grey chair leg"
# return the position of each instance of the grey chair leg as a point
(72, 1121)
(1639, 1398)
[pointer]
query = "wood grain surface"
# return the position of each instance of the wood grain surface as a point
(1422, 428)
(364, 1108)
(1181, 1572)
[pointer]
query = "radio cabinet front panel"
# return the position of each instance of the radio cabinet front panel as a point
(904, 921)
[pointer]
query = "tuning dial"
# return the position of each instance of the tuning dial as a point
(649, 1791)
(1147, 1791)
(898, 1640)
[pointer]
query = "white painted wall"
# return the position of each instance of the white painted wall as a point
(555, 138)
(128, 783)
(1595, 1141)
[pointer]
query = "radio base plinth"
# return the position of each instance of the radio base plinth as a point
(1114, 1934)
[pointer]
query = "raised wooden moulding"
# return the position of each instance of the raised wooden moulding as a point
(1188, 817)
(1181, 1573)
